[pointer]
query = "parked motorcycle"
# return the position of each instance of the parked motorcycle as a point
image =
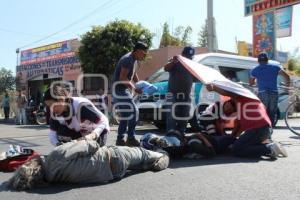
(36, 114)
(40, 115)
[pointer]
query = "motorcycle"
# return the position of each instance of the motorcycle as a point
(36, 114)
(40, 115)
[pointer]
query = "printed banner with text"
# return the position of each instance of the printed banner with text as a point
(253, 7)
(48, 52)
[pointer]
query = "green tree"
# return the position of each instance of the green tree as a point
(102, 47)
(178, 31)
(203, 36)
(297, 72)
(7, 80)
(186, 36)
(167, 39)
(181, 36)
(293, 64)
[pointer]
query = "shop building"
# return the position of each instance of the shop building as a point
(41, 66)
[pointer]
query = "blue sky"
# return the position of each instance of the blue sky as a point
(24, 22)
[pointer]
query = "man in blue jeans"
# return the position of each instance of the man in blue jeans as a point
(123, 84)
(266, 76)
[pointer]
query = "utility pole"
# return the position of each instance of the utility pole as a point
(211, 40)
(17, 64)
(17, 52)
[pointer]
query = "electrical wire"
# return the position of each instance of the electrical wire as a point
(122, 8)
(102, 6)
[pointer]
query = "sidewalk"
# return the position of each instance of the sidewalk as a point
(8, 121)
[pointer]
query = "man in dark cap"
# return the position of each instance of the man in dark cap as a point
(123, 85)
(266, 75)
(179, 88)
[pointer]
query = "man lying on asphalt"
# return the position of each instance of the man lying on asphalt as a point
(85, 161)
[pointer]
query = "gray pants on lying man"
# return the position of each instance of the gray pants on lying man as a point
(86, 162)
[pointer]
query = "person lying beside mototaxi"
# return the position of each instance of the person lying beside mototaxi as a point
(178, 145)
(252, 127)
(74, 117)
(209, 141)
(84, 161)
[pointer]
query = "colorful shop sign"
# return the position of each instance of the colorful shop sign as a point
(52, 51)
(248, 6)
(260, 6)
(56, 67)
(264, 34)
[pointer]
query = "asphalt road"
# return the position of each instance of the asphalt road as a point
(224, 177)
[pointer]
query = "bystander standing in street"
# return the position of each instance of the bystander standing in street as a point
(124, 78)
(21, 102)
(179, 88)
(6, 105)
(266, 76)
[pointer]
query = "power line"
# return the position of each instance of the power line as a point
(105, 4)
(83, 27)
(122, 8)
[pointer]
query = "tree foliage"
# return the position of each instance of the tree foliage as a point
(181, 36)
(167, 39)
(186, 36)
(7, 80)
(293, 64)
(203, 36)
(178, 31)
(102, 47)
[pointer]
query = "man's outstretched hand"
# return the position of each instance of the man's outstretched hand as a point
(210, 87)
